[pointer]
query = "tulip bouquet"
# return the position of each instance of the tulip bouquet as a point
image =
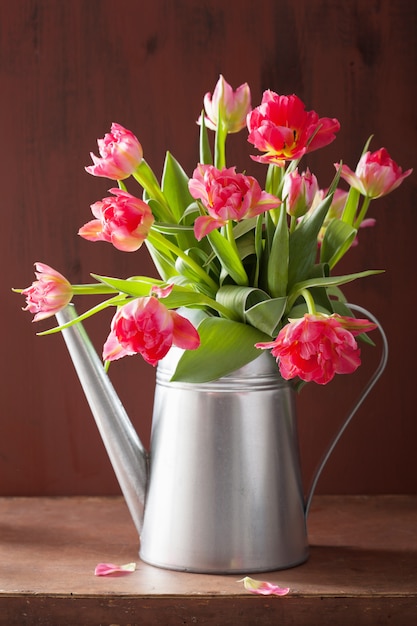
(242, 267)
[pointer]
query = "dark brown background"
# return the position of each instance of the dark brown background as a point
(70, 68)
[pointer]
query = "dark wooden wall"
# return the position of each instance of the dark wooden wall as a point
(70, 68)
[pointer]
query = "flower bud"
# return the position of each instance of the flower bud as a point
(299, 191)
(376, 174)
(233, 106)
(121, 154)
(50, 293)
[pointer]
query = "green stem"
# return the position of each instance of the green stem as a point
(159, 241)
(274, 179)
(363, 211)
(116, 301)
(311, 305)
(230, 236)
(92, 289)
(351, 206)
(224, 311)
(147, 179)
(220, 146)
(293, 223)
(205, 151)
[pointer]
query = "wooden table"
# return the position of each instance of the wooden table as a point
(362, 569)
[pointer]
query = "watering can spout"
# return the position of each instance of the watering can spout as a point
(126, 452)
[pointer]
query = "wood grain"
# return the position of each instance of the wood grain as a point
(362, 569)
(68, 69)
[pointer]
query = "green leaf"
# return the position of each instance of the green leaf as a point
(240, 299)
(171, 229)
(351, 206)
(206, 157)
(333, 185)
(225, 347)
(299, 310)
(186, 271)
(245, 226)
(175, 186)
(158, 211)
(116, 301)
(337, 240)
(183, 297)
(274, 179)
(253, 306)
(175, 189)
(278, 258)
(258, 249)
(266, 316)
(151, 190)
(163, 261)
(228, 257)
(327, 281)
(246, 245)
(303, 243)
(136, 287)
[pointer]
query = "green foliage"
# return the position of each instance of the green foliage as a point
(245, 279)
(225, 346)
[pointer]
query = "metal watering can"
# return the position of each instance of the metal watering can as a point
(220, 490)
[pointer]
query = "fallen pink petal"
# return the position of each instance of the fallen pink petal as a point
(104, 569)
(263, 588)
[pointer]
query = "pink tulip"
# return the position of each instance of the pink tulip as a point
(50, 293)
(106, 569)
(376, 174)
(300, 191)
(284, 130)
(121, 154)
(316, 347)
(145, 326)
(226, 196)
(124, 221)
(263, 587)
(232, 105)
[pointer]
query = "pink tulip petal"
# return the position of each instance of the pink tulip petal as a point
(104, 569)
(263, 588)
(50, 293)
(185, 335)
(161, 292)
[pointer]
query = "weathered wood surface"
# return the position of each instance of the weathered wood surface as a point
(362, 569)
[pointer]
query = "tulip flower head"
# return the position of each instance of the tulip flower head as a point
(145, 326)
(282, 129)
(226, 196)
(50, 293)
(124, 221)
(232, 106)
(121, 153)
(376, 174)
(239, 252)
(299, 191)
(316, 347)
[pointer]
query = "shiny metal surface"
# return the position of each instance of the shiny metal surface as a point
(127, 455)
(225, 491)
(222, 484)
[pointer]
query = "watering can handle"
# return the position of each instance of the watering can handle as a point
(371, 382)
